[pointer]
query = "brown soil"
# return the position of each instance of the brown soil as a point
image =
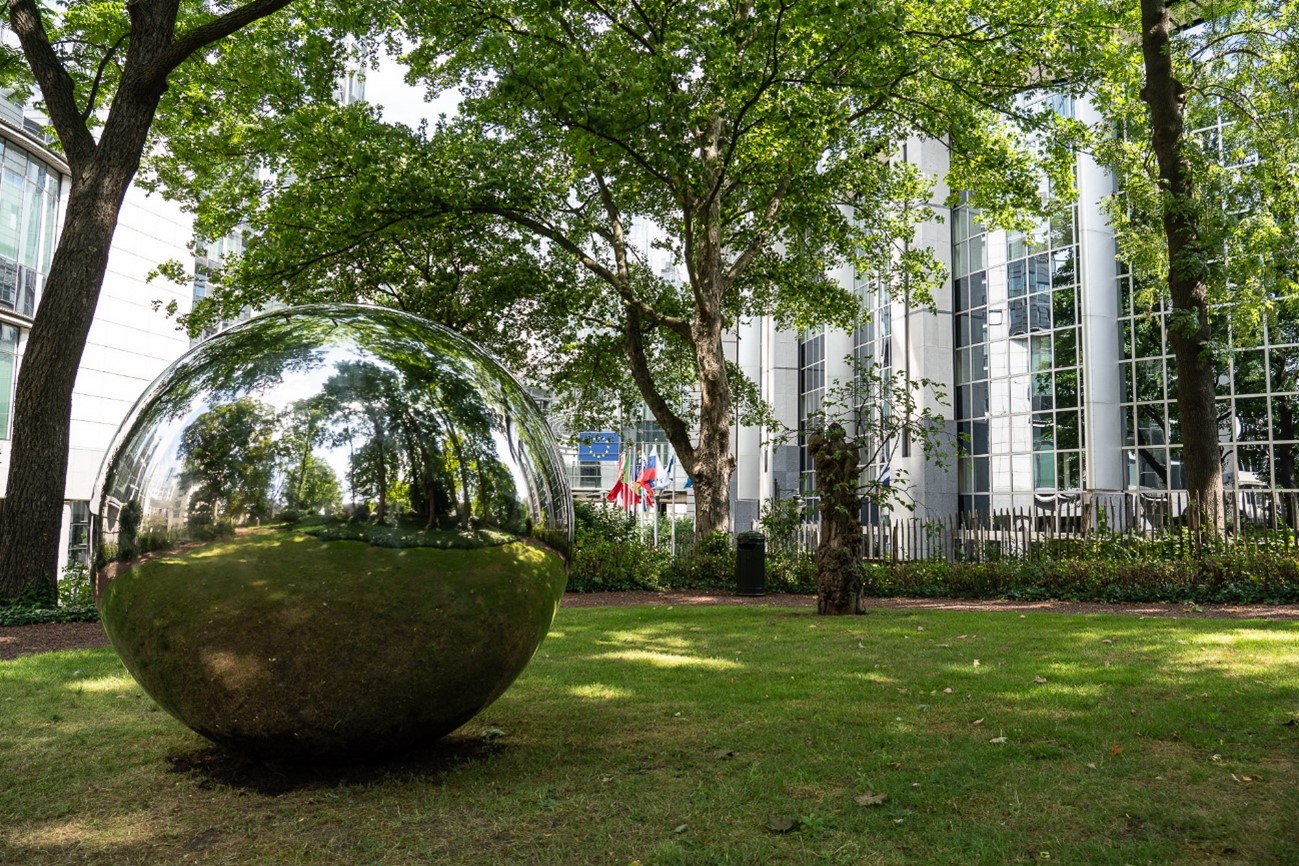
(26, 639)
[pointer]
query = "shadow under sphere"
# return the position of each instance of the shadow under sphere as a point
(331, 532)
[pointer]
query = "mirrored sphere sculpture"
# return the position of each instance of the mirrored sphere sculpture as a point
(330, 532)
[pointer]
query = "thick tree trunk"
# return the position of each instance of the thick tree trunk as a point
(709, 464)
(32, 515)
(713, 464)
(1189, 330)
(838, 554)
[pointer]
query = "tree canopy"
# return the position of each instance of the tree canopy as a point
(759, 142)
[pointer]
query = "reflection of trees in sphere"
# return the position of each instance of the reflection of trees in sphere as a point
(329, 532)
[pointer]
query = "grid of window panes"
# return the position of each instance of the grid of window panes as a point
(873, 352)
(29, 196)
(79, 532)
(811, 396)
(1257, 397)
(1018, 383)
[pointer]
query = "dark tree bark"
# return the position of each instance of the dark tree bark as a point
(1189, 329)
(31, 516)
(838, 554)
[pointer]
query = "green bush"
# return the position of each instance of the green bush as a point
(1235, 577)
(790, 571)
(75, 586)
(711, 565)
(21, 615)
(610, 552)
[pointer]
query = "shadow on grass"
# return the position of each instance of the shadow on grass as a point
(217, 766)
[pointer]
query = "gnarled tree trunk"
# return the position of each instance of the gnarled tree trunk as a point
(838, 555)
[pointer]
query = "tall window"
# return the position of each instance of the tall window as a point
(79, 532)
(29, 195)
(1018, 384)
(8, 363)
(811, 396)
(872, 350)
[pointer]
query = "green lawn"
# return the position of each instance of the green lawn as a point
(694, 735)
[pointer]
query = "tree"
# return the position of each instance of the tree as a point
(1207, 215)
(91, 63)
(878, 411)
(758, 138)
(228, 457)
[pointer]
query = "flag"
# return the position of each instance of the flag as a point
(667, 476)
(645, 479)
(621, 494)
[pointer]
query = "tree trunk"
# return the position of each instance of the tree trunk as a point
(713, 463)
(709, 464)
(32, 516)
(838, 554)
(1189, 331)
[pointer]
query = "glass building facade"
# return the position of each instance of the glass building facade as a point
(29, 199)
(29, 206)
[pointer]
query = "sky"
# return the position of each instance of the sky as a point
(401, 102)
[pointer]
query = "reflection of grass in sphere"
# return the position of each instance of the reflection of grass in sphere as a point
(280, 643)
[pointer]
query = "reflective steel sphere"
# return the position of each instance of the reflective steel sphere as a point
(330, 532)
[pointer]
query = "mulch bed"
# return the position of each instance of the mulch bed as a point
(27, 639)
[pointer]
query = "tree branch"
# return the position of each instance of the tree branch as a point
(57, 87)
(99, 76)
(677, 431)
(192, 41)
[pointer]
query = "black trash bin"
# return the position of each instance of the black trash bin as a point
(750, 563)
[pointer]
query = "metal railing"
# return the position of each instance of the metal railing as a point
(1069, 524)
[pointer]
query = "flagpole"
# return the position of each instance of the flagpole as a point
(656, 523)
(672, 515)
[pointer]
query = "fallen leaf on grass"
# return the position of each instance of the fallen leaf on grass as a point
(977, 722)
(1091, 766)
(1000, 741)
(1245, 778)
(680, 828)
(976, 663)
(723, 754)
(1039, 680)
(492, 734)
(870, 798)
(947, 691)
(1116, 749)
(783, 824)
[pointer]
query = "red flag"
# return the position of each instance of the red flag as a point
(621, 494)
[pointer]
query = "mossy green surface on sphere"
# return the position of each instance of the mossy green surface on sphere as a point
(329, 533)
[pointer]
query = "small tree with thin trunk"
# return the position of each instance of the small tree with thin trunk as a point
(878, 411)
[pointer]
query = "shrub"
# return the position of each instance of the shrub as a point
(75, 586)
(790, 571)
(711, 565)
(1234, 577)
(610, 552)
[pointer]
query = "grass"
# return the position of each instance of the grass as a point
(684, 736)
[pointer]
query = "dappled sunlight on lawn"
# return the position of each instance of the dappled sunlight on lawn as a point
(600, 692)
(103, 684)
(107, 835)
(671, 660)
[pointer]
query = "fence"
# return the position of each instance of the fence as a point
(1263, 520)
